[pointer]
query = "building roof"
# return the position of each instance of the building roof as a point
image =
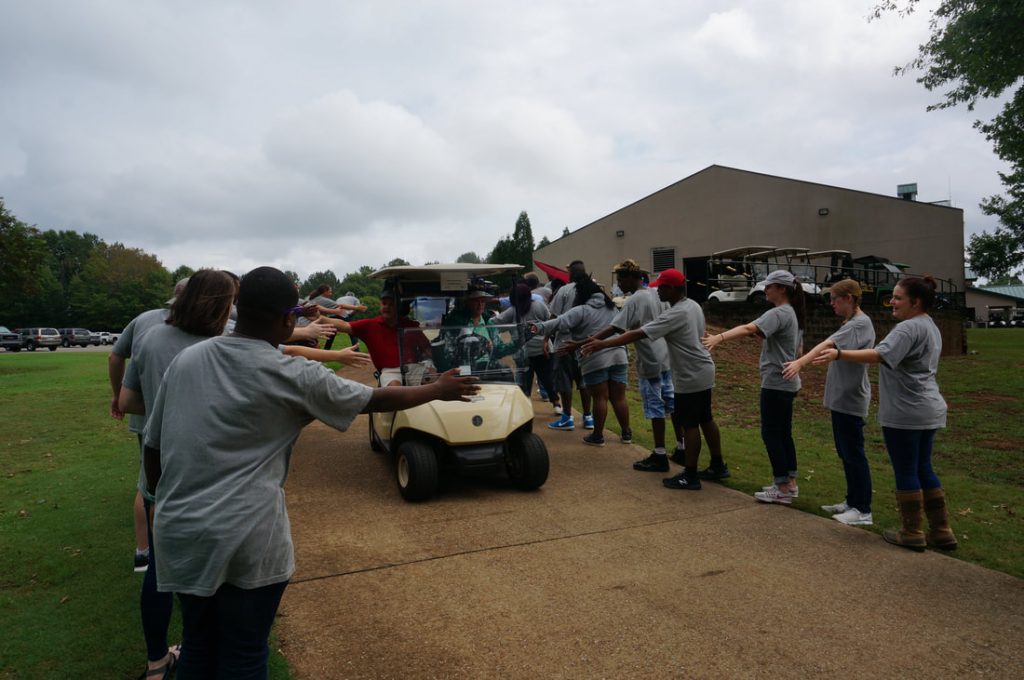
(1016, 291)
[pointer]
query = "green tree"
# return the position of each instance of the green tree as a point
(565, 231)
(996, 255)
(116, 284)
(29, 292)
(975, 51)
(469, 257)
(181, 272)
(318, 279)
(363, 287)
(517, 248)
(544, 241)
(397, 262)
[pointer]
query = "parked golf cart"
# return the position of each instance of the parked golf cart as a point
(493, 432)
(794, 260)
(733, 273)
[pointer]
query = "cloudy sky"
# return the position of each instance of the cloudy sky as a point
(320, 134)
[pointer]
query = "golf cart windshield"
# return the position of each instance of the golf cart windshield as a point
(493, 353)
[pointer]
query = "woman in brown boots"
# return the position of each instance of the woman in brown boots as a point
(910, 411)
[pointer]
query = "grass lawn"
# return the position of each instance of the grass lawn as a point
(979, 456)
(69, 599)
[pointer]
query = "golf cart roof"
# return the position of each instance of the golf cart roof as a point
(435, 272)
(742, 251)
(826, 253)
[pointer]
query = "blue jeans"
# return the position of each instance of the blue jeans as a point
(777, 433)
(154, 606)
(910, 452)
(225, 635)
(848, 433)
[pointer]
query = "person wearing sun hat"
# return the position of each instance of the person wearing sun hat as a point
(782, 330)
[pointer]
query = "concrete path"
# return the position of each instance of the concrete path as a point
(603, 573)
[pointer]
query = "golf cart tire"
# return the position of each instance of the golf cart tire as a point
(526, 460)
(375, 445)
(416, 471)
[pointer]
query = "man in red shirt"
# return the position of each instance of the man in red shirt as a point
(381, 337)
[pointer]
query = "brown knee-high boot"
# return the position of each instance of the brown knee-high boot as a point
(939, 532)
(911, 506)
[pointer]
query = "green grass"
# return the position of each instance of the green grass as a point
(979, 456)
(68, 597)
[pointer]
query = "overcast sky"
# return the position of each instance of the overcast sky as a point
(320, 134)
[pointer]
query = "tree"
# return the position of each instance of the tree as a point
(975, 49)
(544, 241)
(29, 292)
(517, 248)
(470, 257)
(318, 279)
(181, 272)
(565, 231)
(397, 262)
(363, 287)
(115, 285)
(996, 255)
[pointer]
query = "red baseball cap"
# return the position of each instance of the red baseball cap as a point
(670, 277)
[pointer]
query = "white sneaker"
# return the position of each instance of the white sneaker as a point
(774, 494)
(854, 517)
(794, 492)
(558, 410)
(837, 509)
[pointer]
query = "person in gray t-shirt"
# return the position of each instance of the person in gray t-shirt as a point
(218, 443)
(847, 396)
(693, 373)
(781, 327)
(910, 410)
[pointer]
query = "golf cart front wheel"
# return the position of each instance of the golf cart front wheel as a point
(416, 470)
(526, 460)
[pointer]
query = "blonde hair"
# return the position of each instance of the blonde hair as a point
(847, 287)
(628, 266)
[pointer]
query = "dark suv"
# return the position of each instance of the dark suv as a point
(75, 336)
(39, 337)
(10, 340)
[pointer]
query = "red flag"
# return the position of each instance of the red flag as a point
(553, 272)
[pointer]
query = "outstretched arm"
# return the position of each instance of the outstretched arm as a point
(857, 356)
(742, 331)
(595, 343)
(448, 387)
(792, 368)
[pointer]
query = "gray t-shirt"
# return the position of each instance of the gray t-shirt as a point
(348, 300)
(131, 334)
(682, 327)
(908, 395)
(847, 388)
(152, 354)
(641, 308)
(583, 321)
(225, 420)
(537, 313)
(781, 344)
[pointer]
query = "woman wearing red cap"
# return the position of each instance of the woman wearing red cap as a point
(782, 330)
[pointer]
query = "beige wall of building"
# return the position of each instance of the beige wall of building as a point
(720, 208)
(982, 301)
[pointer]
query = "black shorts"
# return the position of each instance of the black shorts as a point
(693, 409)
(567, 372)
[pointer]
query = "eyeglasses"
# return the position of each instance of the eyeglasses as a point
(294, 310)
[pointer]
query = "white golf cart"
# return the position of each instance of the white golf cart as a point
(795, 260)
(491, 433)
(733, 273)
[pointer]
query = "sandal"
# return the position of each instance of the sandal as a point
(163, 672)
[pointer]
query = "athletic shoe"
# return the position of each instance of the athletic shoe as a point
(837, 509)
(794, 492)
(627, 437)
(712, 473)
(774, 494)
(141, 560)
(588, 421)
(563, 423)
(678, 457)
(594, 439)
(681, 481)
(656, 462)
(854, 517)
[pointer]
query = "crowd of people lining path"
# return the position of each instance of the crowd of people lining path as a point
(220, 384)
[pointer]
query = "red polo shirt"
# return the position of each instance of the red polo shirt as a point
(382, 341)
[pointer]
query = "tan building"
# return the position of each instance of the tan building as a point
(1004, 304)
(720, 208)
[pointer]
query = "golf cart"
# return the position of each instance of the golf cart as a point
(493, 432)
(795, 260)
(732, 273)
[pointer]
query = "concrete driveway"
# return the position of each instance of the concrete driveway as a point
(603, 573)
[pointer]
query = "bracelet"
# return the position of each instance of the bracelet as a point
(722, 336)
(839, 354)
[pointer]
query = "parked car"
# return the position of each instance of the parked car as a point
(10, 340)
(34, 337)
(106, 338)
(75, 336)
(94, 338)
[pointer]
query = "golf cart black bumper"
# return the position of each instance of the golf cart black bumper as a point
(479, 456)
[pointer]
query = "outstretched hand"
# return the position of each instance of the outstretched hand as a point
(791, 369)
(453, 387)
(353, 357)
(709, 341)
(590, 346)
(825, 356)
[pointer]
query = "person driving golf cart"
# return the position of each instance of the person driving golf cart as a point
(468, 339)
